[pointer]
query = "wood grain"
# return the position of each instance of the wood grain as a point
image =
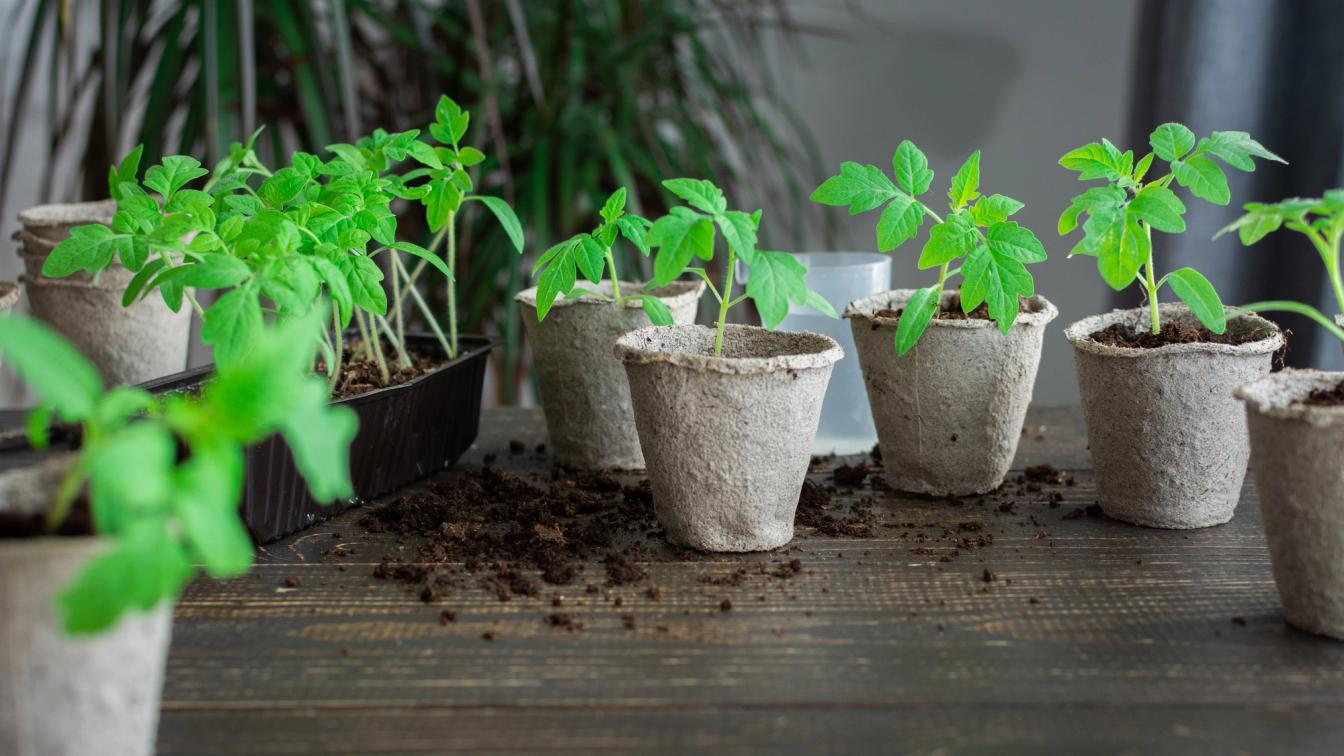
(1092, 635)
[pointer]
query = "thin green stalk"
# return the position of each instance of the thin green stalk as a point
(615, 281)
(1152, 282)
(1282, 305)
(363, 335)
(334, 369)
(1329, 251)
(428, 314)
(373, 343)
(723, 303)
(65, 494)
(421, 265)
(402, 356)
(452, 287)
(400, 338)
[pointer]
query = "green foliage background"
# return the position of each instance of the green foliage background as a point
(574, 97)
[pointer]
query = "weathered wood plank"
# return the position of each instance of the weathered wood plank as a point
(1092, 633)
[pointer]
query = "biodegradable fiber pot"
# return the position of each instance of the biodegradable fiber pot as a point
(584, 391)
(61, 694)
(1296, 459)
(127, 344)
(949, 412)
(9, 295)
(1168, 438)
(726, 440)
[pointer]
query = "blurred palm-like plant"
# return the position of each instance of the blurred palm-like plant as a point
(577, 97)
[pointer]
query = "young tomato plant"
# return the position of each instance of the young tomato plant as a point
(1321, 221)
(774, 278)
(1122, 215)
(589, 254)
(167, 509)
(996, 250)
(282, 242)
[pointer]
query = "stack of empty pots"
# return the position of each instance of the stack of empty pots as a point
(127, 344)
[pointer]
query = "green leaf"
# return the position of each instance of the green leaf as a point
(1095, 160)
(507, 219)
(899, 222)
(215, 271)
(350, 154)
(207, 485)
(173, 174)
(590, 257)
(614, 206)
(49, 366)
(470, 156)
(698, 193)
(319, 434)
(232, 323)
(1203, 178)
(365, 279)
(1236, 148)
(775, 279)
(1068, 220)
(144, 567)
(282, 187)
(656, 310)
(997, 277)
(558, 278)
(994, 208)
(1141, 169)
(915, 317)
(861, 187)
(966, 182)
(679, 236)
(124, 172)
(1254, 226)
(1008, 239)
(948, 240)
(1160, 208)
(337, 286)
(1196, 291)
(635, 229)
(117, 497)
(91, 248)
(1171, 141)
(427, 256)
(1118, 263)
(424, 154)
(739, 230)
(819, 303)
(911, 168)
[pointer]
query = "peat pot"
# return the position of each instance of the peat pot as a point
(583, 388)
(406, 432)
(1168, 438)
(726, 440)
(62, 694)
(949, 412)
(10, 291)
(1299, 474)
(127, 344)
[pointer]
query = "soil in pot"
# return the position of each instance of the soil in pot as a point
(360, 375)
(1167, 437)
(1296, 421)
(949, 412)
(583, 388)
(726, 439)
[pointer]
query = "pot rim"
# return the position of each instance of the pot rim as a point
(68, 214)
(10, 291)
(1041, 311)
(681, 290)
(637, 348)
(1079, 333)
(1274, 396)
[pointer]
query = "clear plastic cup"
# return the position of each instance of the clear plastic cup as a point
(841, 277)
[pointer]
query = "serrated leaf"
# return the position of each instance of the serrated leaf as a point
(1160, 208)
(365, 279)
(282, 187)
(911, 168)
(1236, 148)
(994, 208)
(915, 317)
(1171, 141)
(337, 287)
(739, 230)
(966, 182)
(635, 229)
(172, 174)
(1119, 263)
(91, 248)
(1068, 220)
(1094, 161)
(1203, 178)
(208, 484)
(443, 200)
(423, 153)
(215, 271)
(900, 221)
(775, 279)
(1008, 239)
(145, 566)
(1197, 293)
(232, 324)
(701, 194)
(997, 279)
(614, 206)
(590, 257)
(679, 236)
(947, 241)
(861, 187)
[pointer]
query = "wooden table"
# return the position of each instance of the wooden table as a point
(1094, 636)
